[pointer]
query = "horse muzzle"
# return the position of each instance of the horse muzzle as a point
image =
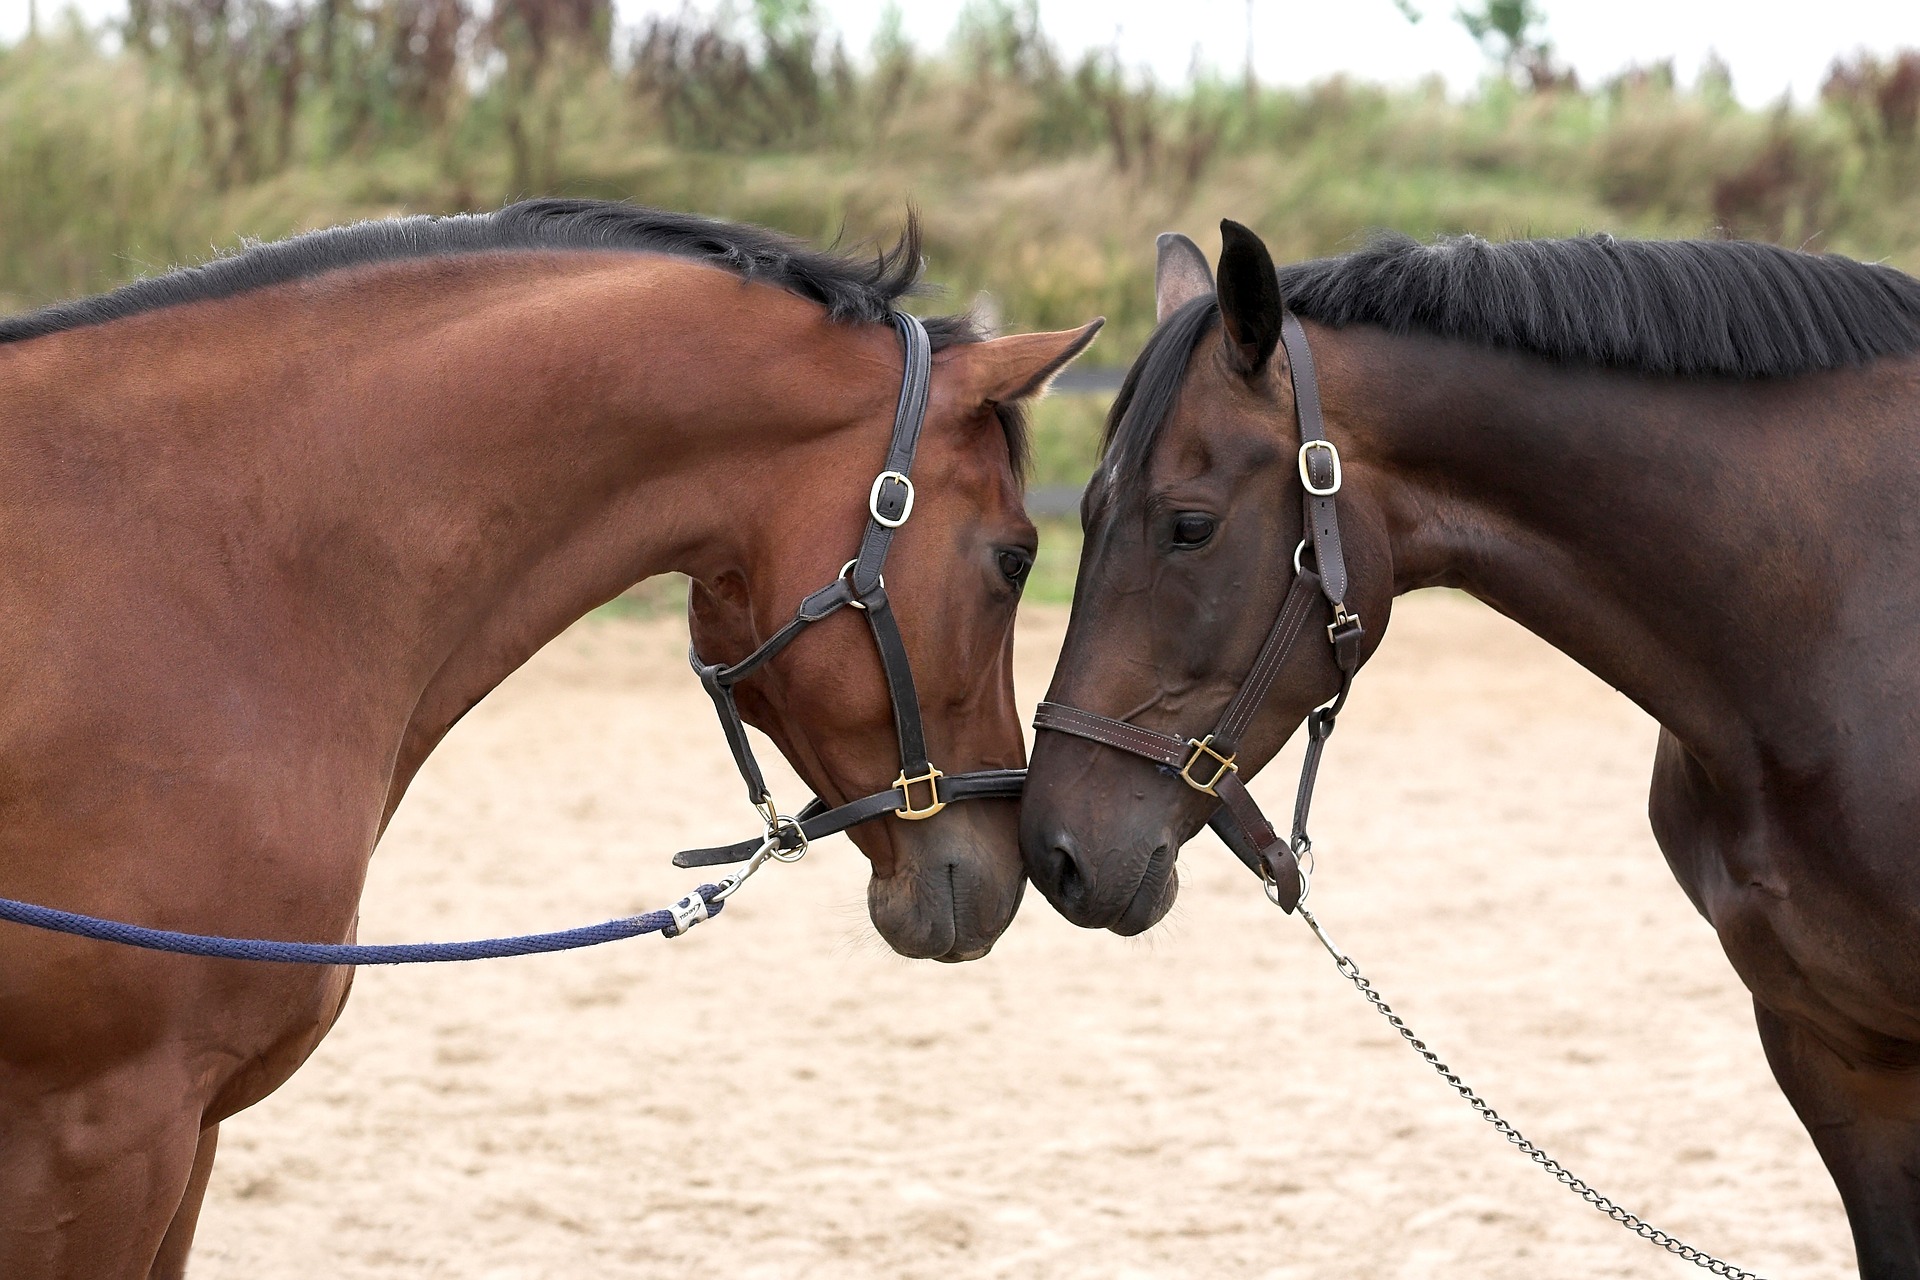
(1127, 890)
(955, 885)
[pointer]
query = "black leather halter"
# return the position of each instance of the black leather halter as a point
(921, 790)
(1207, 763)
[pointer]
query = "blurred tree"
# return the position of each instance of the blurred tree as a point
(893, 59)
(1511, 33)
(1881, 98)
(540, 39)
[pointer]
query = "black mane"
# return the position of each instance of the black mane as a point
(850, 289)
(1734, 308)
(1684, 308)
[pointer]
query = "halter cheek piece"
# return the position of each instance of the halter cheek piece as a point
(921, 790)
(1207, 763)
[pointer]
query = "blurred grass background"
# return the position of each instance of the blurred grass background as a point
(191, 126)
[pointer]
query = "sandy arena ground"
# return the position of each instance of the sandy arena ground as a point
(780, 1096)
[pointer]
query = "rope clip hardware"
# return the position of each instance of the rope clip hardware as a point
(687, 912)
(788, 836)
(773, 848)
(1340, 960)
(786, 842)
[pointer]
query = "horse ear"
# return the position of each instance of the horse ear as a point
(1250, 304)
(1181, 275)
(1021, 366)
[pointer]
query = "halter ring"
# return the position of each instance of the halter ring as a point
(782, 851)
(847, 569)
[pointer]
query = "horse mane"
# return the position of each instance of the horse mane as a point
(1733, 308)
(1678, 308)
(851, 289)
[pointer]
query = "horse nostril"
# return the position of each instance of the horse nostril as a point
(1069, 879)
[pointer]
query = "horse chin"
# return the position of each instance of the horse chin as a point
(1151, 901)
(951, 895)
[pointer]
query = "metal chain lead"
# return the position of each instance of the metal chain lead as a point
(1632, 1222)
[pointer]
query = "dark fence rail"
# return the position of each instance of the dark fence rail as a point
(1063, 500)
(1090, 381)
(1054, 500)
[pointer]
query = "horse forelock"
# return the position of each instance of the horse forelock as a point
(1152, 384)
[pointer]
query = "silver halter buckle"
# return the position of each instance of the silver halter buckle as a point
(873, 500)
(1306, 473)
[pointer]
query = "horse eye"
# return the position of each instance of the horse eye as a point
(1015, 565)
(1192, 530)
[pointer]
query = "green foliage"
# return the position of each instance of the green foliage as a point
(1038, 178)
(1511, 33)
(1066, 437)
(1054, 569)
(1504, 24)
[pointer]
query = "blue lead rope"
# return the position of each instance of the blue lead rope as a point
(197, 944)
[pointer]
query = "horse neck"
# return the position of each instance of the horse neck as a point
(1672, 535)
(463, 457)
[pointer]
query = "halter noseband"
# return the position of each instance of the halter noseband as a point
(921, 790)
(1207, 763)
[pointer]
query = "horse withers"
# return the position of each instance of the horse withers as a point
(272, 525)
(1692, 466)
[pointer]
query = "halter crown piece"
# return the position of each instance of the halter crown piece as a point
(1207, 763)
(921, 790)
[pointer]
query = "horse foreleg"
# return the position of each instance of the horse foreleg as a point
(1865, 1121)
(93, 1174)
(172, 1262)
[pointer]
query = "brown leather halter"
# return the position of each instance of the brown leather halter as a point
(1207, 763)
(921, 790)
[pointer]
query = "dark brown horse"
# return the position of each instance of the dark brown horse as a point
(272, 525)
(1694, 467)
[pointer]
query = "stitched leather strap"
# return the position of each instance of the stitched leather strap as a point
(1244, 829)
(1298, 606)
(889, 497)
(818, 821)
(1161, 748)
(1319, 729)
(713, 680)
(1322, 521)
(906, 702)
(718, 679)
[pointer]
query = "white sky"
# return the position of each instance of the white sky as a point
(1773, 46)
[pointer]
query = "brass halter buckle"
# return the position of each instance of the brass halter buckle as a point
(934, 803)
(1203, 747)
